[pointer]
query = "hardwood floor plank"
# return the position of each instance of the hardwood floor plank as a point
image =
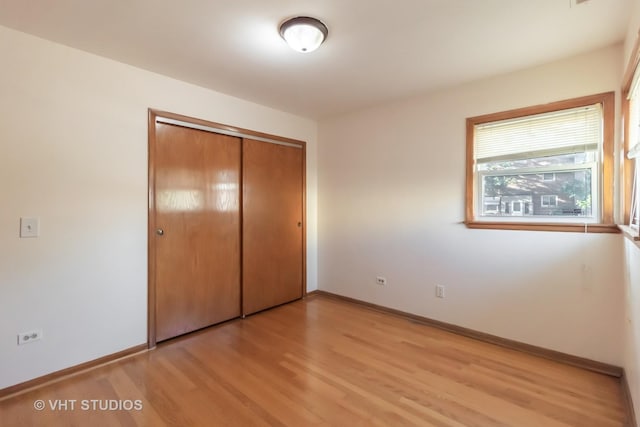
(326, 362)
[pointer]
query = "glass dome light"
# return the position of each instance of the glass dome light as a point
(303, 34)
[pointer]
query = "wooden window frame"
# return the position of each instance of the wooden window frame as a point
(606, 222)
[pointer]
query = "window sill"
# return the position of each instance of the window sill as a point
(630, 233)
(550, 226)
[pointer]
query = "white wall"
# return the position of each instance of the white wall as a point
(631, 353)
(631, 330)
(73, 151)
(633, 29)
(391, 186)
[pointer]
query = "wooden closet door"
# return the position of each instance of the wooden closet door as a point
(272, 248)
(197, 242)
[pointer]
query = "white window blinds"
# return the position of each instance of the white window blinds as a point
(558, 132)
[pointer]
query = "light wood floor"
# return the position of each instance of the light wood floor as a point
(321, 362)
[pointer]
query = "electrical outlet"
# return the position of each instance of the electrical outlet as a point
(30, 336)
(29, 227)
(440, 291)
(381, 280)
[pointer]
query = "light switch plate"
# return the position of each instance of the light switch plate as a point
(29, 227)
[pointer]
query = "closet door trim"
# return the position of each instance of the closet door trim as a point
(159, 116)
(238, 134)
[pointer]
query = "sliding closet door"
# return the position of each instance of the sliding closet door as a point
(197, 240)
(272, 251)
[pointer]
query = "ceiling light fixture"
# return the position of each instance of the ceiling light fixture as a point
(303, 33)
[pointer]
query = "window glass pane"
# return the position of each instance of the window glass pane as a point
(529, 194)
(540, 162)
(635, 197)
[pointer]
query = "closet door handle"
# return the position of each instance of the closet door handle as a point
(299, 224)
(159, 231)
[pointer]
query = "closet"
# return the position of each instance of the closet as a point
(272, 238)
(226, 223)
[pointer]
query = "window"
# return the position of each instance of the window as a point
(630, 170)
(491, 208)
(633, 152)
(547, 167)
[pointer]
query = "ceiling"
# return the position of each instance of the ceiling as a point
(377, 50)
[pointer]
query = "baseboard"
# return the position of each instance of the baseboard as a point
(557, 356)
(53, 377)
(626, 392)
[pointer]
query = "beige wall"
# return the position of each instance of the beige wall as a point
(73, 151)
(633, 30)
(391, 186)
